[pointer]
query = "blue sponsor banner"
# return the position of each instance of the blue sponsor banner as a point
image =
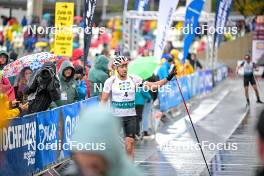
(169, 95)
(47, 138)
(201, 82)
(191, 85)
(208, 80)
(90, 102)
(70, 117)
(18, 147)
(185, 88)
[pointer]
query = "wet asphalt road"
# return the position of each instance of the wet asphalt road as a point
(229, 125)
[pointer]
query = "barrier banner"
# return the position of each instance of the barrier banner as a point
(47, 138)
(201, 82)
(18, 147)
(92, 102)
(208, 80)
(169, 95)
(194, 84)
(70, 118)
(185, 88)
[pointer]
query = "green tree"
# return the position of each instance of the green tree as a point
(249, 7)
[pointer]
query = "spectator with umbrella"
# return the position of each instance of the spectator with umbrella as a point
(43, 88)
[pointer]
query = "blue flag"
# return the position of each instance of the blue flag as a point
(192, 15)
(223, 8)
(141, 5)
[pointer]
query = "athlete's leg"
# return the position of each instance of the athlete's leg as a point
(130, 129)
(246, 84)
(246, 94)
(130, 147)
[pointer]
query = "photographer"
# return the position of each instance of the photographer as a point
(43, 88)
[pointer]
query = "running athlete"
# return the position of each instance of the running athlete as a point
(121, 88)
(249, 67)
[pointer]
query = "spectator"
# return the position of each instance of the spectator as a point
(81, 84)
(4, 57)
(24, 21)
(142, 97)
(98, 75)
(260, 143)
(21, 82)
(87, 67)
(188, 68)
(2, 38)
(194, 61)
(106, 157)
(43, 88)
(164, 70)
(68, 84)
(6, 88)
(6, 111)
(13, 56)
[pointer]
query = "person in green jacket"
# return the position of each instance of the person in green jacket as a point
(142, 96)
(68, 84)
(98, 75)
(96, 146)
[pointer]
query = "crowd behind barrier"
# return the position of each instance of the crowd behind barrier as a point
(31, 143)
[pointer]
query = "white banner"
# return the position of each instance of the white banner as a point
(257, 50)
(166, 10)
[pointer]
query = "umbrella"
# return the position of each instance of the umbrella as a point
(143, 66)
(34, 61)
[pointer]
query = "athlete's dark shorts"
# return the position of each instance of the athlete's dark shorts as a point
(129, 126)
(249, 79)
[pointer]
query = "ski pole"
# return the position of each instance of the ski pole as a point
(193, 127)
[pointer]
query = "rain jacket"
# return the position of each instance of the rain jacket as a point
(164, 70)
(98, 126)
(7, 88)
(81, 90)
(42, 90)
(98, 75)
(6, 113)
(68, 86)
(142, 96)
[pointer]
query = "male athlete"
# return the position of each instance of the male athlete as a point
(121, 88)
(249, 67)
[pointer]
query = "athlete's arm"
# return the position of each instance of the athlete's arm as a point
(156, 85)
(104, 98)
(239, 66)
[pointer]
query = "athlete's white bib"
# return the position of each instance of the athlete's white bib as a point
(122, 94)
